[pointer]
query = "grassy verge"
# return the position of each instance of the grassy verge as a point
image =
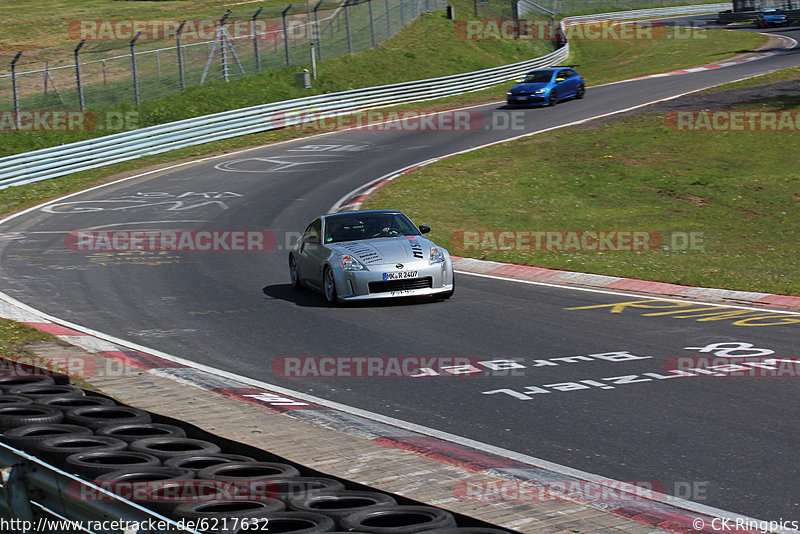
(427, 48)
(600, 69)
(736, 189)
(14, 337)
(43, 23)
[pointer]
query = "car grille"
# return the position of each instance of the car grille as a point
(400, 285)
(529, 100)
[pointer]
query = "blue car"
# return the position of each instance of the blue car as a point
(547, 87)
(771, 17)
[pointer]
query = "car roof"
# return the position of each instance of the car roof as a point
(358, 212)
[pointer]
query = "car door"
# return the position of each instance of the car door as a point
(310, 242)
(569, 86)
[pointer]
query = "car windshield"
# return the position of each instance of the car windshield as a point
(538, 77)
(772, 12)
(367, 226)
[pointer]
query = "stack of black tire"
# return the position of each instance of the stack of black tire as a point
(211, 487)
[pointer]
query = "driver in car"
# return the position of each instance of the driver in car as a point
(384, 227)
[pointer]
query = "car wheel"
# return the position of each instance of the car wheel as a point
(294, 275)
(581, 92)
(329, 286)
(553, 100)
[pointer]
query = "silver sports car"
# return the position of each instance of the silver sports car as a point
(370, 254)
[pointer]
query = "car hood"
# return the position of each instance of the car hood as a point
(386, 249)
(528, 87)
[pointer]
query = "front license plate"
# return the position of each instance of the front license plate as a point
(400, 275)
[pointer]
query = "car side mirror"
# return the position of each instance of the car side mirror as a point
(424, 228)
(312, 239)
(560, 79)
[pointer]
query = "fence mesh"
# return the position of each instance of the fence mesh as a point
(116, 66)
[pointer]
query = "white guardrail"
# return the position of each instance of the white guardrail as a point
(66, 159)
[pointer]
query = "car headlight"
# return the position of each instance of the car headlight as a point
(540, 91)
(349, 263)
(509, 93)
(437, 255)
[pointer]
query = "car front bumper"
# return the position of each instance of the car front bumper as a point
(363, 285)
(532, 100)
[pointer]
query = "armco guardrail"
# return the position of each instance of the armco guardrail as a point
(85, 155)
(52, 496)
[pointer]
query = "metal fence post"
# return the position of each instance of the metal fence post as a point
(316, 26)
(14, 87)
(78, 76)
(403, 14)
(133, 69)
(221, 36)
(181, 77)
(286, 33)
(388, 19)
(372, 24)
(255, 40)
(347, 27)
(17, 492)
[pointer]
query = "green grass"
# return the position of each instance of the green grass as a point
(607, 61)
(427, 48)
(738, 189)
(273, 85)
(14, 336)
(43, 23)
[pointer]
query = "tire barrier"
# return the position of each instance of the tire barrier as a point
(290, 522)
(96, 416)
(197, 463)
(93, 464)
(27, 436)
(287, 489)
(8, 400)
(10, 381)
(398, 519)
(249, 471)
(339, 504)
(199, 476)
(172, 447)
(56, 449)
(41, 391)
(15, 415)
(134, 431)
(67, 403)
(158, 488)
(227, 509)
